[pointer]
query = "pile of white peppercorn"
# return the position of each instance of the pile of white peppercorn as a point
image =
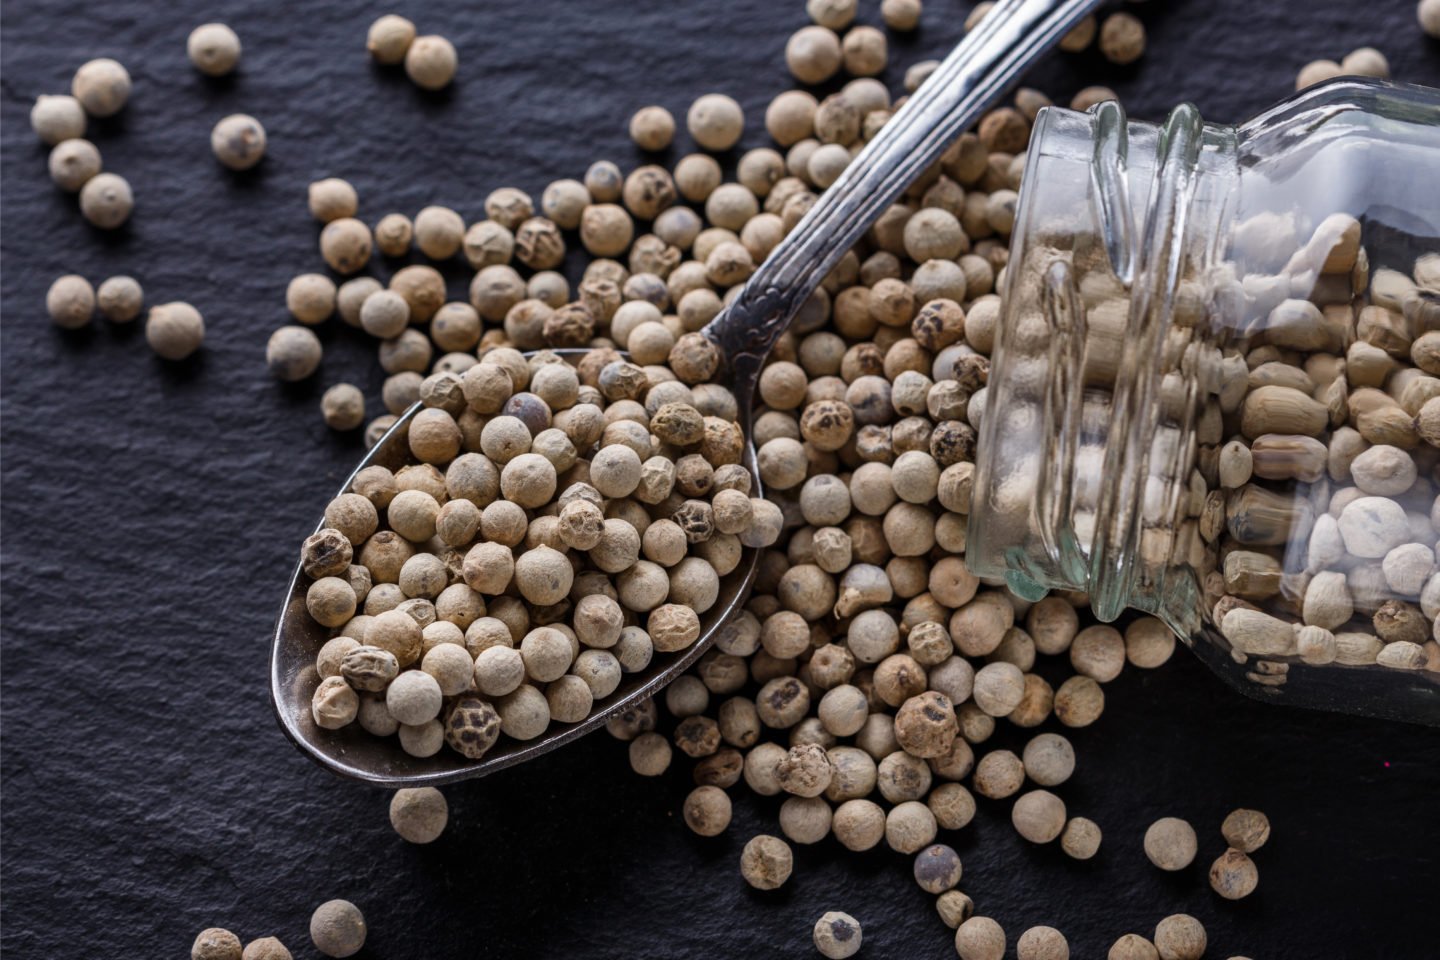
(869, 665)
(558, 525)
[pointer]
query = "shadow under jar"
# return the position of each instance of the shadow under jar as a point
(1215, 395)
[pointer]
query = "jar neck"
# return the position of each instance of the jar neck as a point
(1103, 359)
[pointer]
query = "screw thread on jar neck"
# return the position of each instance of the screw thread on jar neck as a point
(1088, 441)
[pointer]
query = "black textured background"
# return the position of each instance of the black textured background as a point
(151, 514)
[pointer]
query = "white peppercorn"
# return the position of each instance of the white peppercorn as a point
(419, 814)
(430, 62)
(55, 118)
(1132, 946)
(238, 141)
(216, 943)
(451, 666)
(1042, 943)
(837, 935)
(1122, 38)
(524, 713)
(334, 704)
(714, 121)
(73, 163)
(1098, 652)
(266, 948)
(388, 38)
(954, 908)
(1246, 830)
(980, 938)
(813, 54)
(106, 200)
(998, 774)
(707, 811)
(414, 697)
(499, 670)
(998, 688)
(70, 301)
(120, 299)
(422, 739)
(102, 86)
(1079, 702)
(766, 862)
(1233, 875)
(1365, 62)
(1148, 642)
(310, 298)
(1180, 937)
(937, 868)
(213, 48)
(649, 754)
(331, 199)
(909, 827)
(439, 232)
(175, 330)
(1038, 816)
(1080, 839)
(337, 928)
(1170, 843)
(803, 819)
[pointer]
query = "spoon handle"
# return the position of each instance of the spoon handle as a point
(991, 57)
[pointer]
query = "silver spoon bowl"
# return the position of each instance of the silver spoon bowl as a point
(986, 63)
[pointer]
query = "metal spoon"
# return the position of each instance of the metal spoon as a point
(1011, 37)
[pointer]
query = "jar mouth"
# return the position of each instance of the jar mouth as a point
(1065, 467)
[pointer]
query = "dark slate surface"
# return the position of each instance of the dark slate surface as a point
(151, 514)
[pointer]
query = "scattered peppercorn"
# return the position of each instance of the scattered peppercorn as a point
(1170, 843)
(419, 814)
(106, 200)
(238, 141)
(215, 943)
(337, 928)
(388, 38)
(70, 301)
(174, 330)
(102, 86)
(1246, 830)
(766, 862)
(120, 299)
(73, 163)
(56, 118)
(1180, 937)
(430, 62)
(837, 935)
(213, 48)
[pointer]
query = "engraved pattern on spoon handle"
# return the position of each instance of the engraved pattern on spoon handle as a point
(994, 55)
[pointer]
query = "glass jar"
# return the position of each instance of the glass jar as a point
(1215, 394)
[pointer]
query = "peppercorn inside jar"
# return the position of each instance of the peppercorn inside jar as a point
(1215, 395)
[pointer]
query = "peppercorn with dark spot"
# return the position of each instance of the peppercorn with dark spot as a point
(721, 769)
(326, 553)
(472, 727)
(697, 736)
(623, 380)
(952, 442)
(972, 372)
(529, 410)
(697, 519)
